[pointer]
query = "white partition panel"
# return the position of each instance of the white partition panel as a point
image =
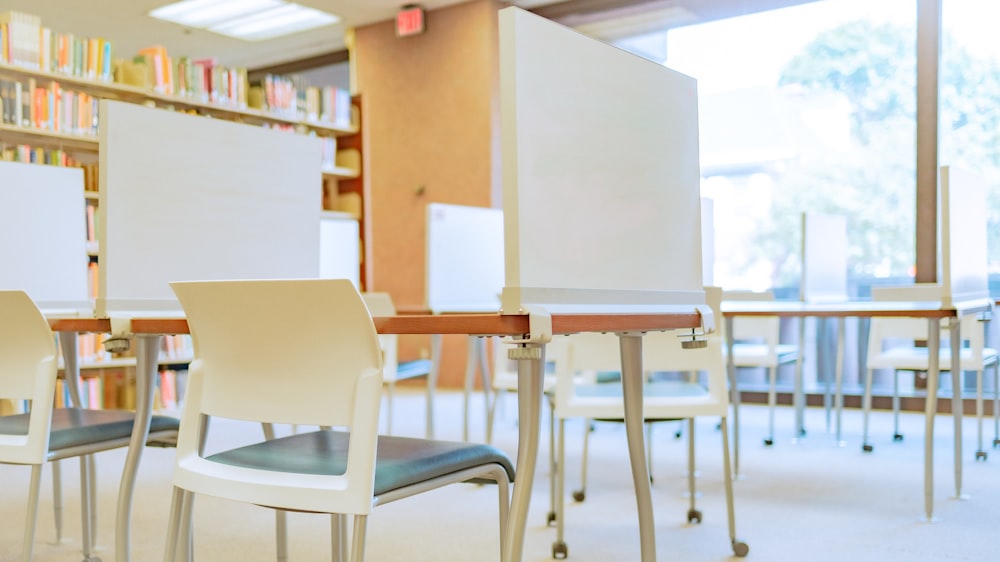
(340, 247)
(707, 242)
(824, 257)
(43, 235)
(465, 258)
(184, 197)
(963, 239)
(600, 171)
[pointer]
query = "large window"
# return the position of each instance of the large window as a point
(812, 108)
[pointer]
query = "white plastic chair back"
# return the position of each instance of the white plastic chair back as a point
(239, 373)
(380, 304)
(662, 351)
(28, 364)
(761, 334)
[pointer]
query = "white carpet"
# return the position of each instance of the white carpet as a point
(806, 501)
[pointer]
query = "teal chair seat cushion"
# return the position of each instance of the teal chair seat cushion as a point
(401, 461)
(413, 369)
(75, 427)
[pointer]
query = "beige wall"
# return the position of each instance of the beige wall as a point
(430, 133)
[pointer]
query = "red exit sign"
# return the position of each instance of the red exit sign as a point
(409, 21)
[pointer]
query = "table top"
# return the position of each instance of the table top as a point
(468, 324)
(860, 308)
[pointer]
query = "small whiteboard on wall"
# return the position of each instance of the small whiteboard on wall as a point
(963, 237)
(43, 235)
(601, 180)
(824, 258)
(465, 258)
(184, 197)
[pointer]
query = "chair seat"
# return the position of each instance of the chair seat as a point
(400, 461)
(917, 358)
(413, 369)
(754, 354)
(76, 427)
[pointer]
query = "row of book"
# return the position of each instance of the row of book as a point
(25, 42)
(48, 108)
(114, 388)
(291, 96)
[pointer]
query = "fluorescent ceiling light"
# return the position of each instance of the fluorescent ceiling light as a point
(250, 20)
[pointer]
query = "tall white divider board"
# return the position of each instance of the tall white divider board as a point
(962, 234)
(707, 242)
(339, 247)
(43, 235)
(600, 175)
(465, 258)
(824, 258)
(184, 197)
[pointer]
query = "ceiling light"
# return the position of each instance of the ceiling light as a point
(251, 20)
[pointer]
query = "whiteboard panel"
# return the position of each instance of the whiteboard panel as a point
(963, 236)
(824, 257)
(465, 258)
(339, 248)
(43, 235)
(185, 197)
(600, 172)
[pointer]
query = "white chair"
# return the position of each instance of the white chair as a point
(322, 367)
(663, 400)
(893, 344)
(393, 371)
(28, 370)
(757, 344)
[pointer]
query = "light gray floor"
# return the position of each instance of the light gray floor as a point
(810, 501)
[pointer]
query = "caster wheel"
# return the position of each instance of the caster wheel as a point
(802, 432)
(867, 448)
(740, 548)
(694, 516)
(996, 443)
(980, 455)
(768, 441)
(550, 519)
(897, 437)
(559, 551)
(677, 435)
(579, 495)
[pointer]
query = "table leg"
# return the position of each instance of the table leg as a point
(632, 382)
(432, 379)
(734, 395)
(930, 410)
(839, 377)
(957, 406)
(530, 369)
(798, 396)
(147, 352)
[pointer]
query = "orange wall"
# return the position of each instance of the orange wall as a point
(431, 135)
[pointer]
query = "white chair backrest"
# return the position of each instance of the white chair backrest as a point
(28, 364)
(283, 351)
(973, 331)
(766, 329)
(380, 304)
(662, 351)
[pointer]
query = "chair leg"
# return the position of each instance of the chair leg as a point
(996, 404)
(186, 528)
(338, 537)
(649, 450)
(86, 506)
(581, 494)
(553, 466)
(866, 406)
(772, 403)
(281, 535)
(693, 514)
(173, 526)
(358, 542)
(390, 390)
(740, 548)
(896, 435)
(57, 499)
(980, 452)
(503, 490)
(92, 471)
(27, 548)
(559, 549)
